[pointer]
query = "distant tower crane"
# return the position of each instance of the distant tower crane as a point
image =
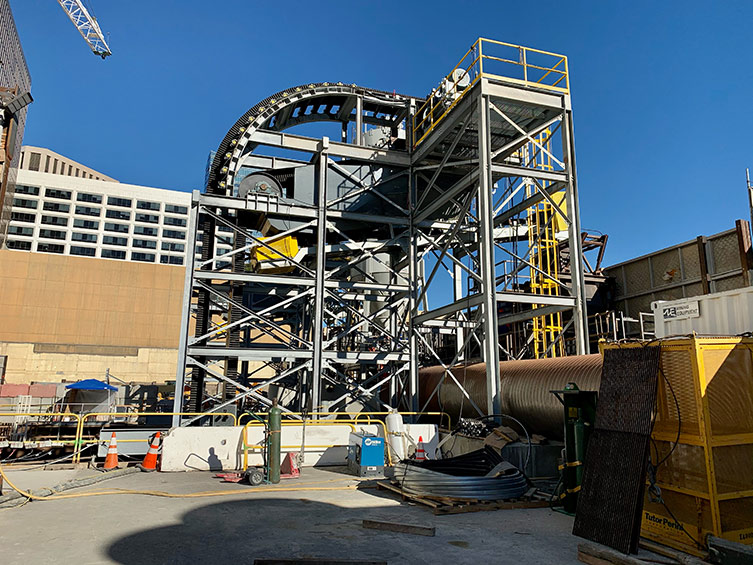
(87, 26)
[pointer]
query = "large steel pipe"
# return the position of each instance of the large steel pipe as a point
(524, 391)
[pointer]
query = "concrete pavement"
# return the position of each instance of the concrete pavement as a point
(261, 522)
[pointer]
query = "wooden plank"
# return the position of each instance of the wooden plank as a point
(389, 486)
(595, 554)
(481, 507)
(317, 561)
(402, 528)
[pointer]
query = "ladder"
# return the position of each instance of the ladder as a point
(544, 256)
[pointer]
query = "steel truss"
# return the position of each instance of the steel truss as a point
(322, 327)
(487, 148)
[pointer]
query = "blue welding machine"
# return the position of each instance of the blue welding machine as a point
(366, 455)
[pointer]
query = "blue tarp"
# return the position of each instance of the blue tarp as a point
(91, 384)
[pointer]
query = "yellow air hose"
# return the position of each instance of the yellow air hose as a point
(203, 494)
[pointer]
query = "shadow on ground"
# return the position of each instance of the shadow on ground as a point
(241, 530)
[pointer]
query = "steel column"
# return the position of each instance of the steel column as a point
(185, 314)
(580, 313)
(486, 252)
(321, 262)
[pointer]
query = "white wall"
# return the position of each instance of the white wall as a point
(221, 448)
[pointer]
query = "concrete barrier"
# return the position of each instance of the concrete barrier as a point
(221, 448)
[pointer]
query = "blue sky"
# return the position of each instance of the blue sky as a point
(661, 90)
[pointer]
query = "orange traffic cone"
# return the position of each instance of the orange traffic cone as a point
(111, 461)
(150, 461)
(420, 452)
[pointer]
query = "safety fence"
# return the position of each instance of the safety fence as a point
(495, 60)
(80, 441)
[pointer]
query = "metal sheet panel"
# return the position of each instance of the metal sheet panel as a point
(614, 474)
(721, 313)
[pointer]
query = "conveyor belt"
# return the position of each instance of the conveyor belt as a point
(386, 107)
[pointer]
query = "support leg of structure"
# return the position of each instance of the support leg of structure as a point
(413, 302)
(486, 258)
(321, 243)
(580, 313)
(185, 315)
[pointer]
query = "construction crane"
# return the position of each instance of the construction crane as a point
(87, 26)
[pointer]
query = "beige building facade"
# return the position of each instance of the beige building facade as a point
(71, 318)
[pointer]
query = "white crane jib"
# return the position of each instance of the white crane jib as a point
(87, 26)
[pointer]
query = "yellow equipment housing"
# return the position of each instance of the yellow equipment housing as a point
(706, 477)
(276, 261)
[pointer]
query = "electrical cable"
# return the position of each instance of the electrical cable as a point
(204, 494)
(654, 491)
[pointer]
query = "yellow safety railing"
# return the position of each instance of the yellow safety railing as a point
(54, 416)
(83, 417)
(303, 445)
(495, 60)
(79, 442)
(356, 415)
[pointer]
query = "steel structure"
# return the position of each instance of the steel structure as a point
(87, 26)
(349, 264)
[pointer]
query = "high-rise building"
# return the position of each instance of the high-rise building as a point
(15, 84)
(63, 207)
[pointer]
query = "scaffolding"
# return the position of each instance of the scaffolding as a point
(408, 228)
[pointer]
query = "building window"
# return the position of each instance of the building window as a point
(51, 234)
(86, 251)
(169, 221)
(55, 193)
(47, 164)
(120, 228)
(56, 207)
(20, 230)
(34, 161)
(171, 260)
(55, 220)
(93, 198)
(88, 211)
(50, 247)
(148, 218)
(84, 237)
(115, 201)
(145, 230)
(145, 243)
(112, 240)
(173, 209)
(21, 217)
(26, 189)
(174, 234)
(24, 203)
(224, 228)
(22, 245)
(118, 215)
(170, 246)
(55, 167)
(147, 257)
(113, 254)
(85, 224)
(144, 205)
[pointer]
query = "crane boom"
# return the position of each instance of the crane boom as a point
(87, 26)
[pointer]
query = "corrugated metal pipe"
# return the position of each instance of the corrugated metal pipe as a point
(524, 391)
